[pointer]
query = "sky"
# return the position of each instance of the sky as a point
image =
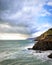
(21, 19)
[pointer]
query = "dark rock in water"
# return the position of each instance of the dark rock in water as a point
(50, 56)
(29, 48)
(44, 41)
(38, 51)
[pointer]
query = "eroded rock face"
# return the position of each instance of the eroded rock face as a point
(50, 56)
(44, 41)
(43, 45)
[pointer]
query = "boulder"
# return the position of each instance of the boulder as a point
(29, 48)
(50, 56)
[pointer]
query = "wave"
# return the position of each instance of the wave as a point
(7, 55)
(29, 46)
(14, 54)
(43, 55)
(39, 55)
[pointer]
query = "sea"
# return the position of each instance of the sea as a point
(15, 52)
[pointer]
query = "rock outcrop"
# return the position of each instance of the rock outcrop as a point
(44, 42)
(50, 56)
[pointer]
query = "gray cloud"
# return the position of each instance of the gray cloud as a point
(18, 28)
(21, 16)
(14, 8)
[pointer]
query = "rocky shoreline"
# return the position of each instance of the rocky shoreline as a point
(43, 45)
(44, 42)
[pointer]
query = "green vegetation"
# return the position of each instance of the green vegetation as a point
(46, 35)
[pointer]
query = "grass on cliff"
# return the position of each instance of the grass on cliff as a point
(45, 34)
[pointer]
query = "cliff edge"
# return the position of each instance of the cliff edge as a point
(44, 41)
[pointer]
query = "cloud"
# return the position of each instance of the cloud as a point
(41, 29)
(13, 32)
(23, 16)
(28, 30)
(49, 3)
(45, 13)
(13, 36)
(16, 9)
(7, 28)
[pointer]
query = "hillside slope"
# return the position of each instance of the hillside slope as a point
(44, 41)
(45, 36)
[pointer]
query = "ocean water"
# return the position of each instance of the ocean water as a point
(16, 53)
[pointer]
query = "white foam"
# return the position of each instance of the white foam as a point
(29, 46)
(43, 55)
(7, 55)
(12, 55)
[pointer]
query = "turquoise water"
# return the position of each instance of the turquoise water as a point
(16, 53)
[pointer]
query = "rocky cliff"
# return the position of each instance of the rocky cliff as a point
(44, 41)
